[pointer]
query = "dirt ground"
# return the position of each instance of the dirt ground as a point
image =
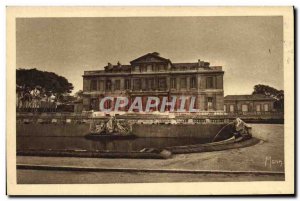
(79, 177)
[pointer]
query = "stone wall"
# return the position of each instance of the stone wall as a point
(57, 130)
(167, 130)
(141, 130)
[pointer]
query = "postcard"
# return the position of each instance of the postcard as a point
(150, 101)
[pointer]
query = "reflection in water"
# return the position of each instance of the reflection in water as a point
(80, 143)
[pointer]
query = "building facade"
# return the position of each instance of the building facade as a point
(248, 104)
(153, 75)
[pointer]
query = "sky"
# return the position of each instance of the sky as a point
(250, 49)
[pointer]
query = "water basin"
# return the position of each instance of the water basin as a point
(81, 143)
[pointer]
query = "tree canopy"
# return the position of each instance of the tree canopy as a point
(49, 81)
(271, 92)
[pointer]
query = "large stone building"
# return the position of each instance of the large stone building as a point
(153, 75)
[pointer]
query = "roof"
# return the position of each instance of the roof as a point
(248, 97)
(150, 58)
(191, 65)
(178, 65)
(153, 55)
(117, 67)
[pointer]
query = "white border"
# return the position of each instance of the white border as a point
(87, 2)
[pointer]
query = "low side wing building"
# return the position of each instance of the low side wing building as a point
(257, 103)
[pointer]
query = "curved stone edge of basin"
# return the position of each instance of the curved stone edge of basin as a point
(229, 144)
(92, 154)
(162, 154)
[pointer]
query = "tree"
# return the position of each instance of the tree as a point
(266, 90)
(50, 82)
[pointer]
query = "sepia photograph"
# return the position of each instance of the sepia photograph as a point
(125, 97)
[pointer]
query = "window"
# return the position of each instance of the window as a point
(225, 108)
(183, 83)
(162, 83)
(173, 83)
(153, 67)
(151, 83)
(193, 82)
(161, 67)
(209, 82)
(127, 84)
(143, 68)
(231, 108)
(266, 107)
(137, 84)
(244, 108)
(147, 84)
(149, 67)
(117, 85)
(95, 104)
(108, 104)
(108, 85)
(93, 85)
(257, 108)
(101, 85)
(209, 103)
(137, 68)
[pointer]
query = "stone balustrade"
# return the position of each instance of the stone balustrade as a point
(168, 118)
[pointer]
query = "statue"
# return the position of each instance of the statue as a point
(111, 127)
(242, 129)
(237, 129)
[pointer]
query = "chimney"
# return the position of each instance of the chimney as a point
(206, 64)
(199, 63)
